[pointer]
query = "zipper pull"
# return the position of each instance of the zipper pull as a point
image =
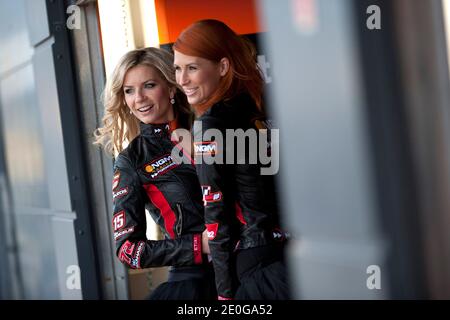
(180, 220)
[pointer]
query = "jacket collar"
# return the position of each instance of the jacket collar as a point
(158, 129)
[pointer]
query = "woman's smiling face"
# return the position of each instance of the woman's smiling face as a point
(148, 95)
(198, 77)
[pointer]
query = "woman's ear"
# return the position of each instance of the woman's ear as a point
(172, 92)
(224, 66)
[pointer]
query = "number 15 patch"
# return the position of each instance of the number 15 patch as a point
(119, 220)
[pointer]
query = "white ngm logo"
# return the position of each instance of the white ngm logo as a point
(205, 147)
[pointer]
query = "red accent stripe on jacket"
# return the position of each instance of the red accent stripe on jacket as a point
(197, 247)
(239, 213)
(158, 199)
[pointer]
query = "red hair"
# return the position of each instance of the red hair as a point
(214, 40)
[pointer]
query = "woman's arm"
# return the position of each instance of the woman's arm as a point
(129, 227)
(213, 183)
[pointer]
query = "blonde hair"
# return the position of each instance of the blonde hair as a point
(119, 125)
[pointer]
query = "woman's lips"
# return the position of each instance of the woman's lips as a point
(145, 109)
(190, 92)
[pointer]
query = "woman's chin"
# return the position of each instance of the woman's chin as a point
(193, 100)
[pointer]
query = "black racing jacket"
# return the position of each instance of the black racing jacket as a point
(241, 205)
(147, 177)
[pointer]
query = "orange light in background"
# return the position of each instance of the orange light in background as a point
(175, 15)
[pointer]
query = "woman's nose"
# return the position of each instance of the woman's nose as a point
(184, 79)
(139, 96)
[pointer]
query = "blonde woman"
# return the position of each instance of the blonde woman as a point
(143, 105)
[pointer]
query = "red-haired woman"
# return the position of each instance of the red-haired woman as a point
(217, 71)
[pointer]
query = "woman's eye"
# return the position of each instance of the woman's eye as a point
(128, 91)
(192, 68)
(149, 85)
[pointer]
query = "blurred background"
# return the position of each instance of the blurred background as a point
(359, 89)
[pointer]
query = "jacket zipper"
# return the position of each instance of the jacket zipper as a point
(179, 226)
